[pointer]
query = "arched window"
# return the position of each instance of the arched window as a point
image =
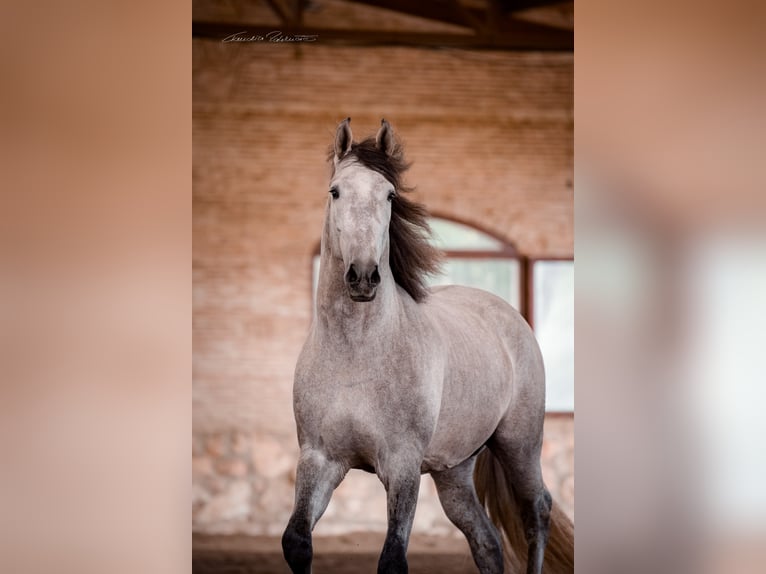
(541, 289)
(477, 259)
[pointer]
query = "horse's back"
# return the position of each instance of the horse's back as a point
(493, 361)
(451, 305)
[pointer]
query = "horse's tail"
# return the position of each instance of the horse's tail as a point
(496, 494)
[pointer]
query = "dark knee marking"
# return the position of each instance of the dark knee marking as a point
(489, 554)
(297, 549)
(535, 514)
(548, 499)
(536, 517)
(393, 559)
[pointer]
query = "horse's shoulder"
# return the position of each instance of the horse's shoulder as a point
(470, 297)
(462, 306)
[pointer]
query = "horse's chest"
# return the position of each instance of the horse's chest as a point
(356, 401)
(355, 409)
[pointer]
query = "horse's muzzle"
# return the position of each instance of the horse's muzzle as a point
(362, 282)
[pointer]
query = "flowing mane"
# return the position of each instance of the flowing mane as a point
(412, 257)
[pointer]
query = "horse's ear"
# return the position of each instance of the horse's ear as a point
(384, 141)
(343, 138)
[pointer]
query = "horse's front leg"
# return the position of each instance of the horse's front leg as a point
(316, 478)
(402, 481)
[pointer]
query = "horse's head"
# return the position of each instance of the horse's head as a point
(360, 212)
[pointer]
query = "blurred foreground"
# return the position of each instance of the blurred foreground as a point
(670, 283)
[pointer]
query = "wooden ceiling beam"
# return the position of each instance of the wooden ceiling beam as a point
(445, 11)
(510, 6)
(277, 8)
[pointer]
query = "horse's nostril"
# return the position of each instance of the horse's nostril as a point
(375, 277)
(351, 275)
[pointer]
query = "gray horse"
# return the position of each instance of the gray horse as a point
(400, 380)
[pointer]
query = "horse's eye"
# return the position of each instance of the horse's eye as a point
(391, 195)
(334, 193)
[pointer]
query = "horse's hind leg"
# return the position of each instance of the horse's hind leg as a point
(458, 498)
(316, 479)
(519, 453)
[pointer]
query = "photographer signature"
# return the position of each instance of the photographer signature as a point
(275, 36)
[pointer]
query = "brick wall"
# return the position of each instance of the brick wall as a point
(490, 135)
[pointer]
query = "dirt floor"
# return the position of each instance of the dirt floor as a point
(348, 554)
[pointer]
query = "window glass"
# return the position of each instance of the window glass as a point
(453, 236)
(496, 275)
(553, 319)
(315, 277)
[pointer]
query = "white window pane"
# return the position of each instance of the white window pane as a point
(553, 318)
(315, 277)
(499, 276)
(452, 236)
